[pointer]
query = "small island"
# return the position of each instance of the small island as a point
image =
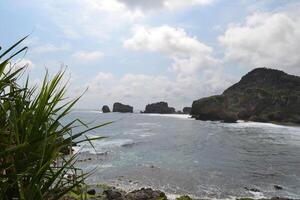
(187, 110)
(119, 107)
(160, 108)
(105, 109)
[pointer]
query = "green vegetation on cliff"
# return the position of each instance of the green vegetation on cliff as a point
(263, 95)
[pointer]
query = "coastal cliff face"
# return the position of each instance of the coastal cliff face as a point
(160, 107)
(118, 107)
(263, 95)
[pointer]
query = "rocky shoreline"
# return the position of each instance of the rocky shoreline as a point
(106, 192)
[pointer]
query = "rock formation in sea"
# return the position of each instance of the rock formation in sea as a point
(187, 110)
(105, 109)
(262, 95)
(159, 107)
(119, 107)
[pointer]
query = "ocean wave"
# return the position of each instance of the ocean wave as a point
(147, 134)
(137, 131)
(105, 145)
(179, 116)
(241, 123)
(114, 143)
(143, 132)
(147, 124)
(86, 111)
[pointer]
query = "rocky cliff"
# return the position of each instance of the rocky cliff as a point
(160, 107)
(263, 95)
(119, 107)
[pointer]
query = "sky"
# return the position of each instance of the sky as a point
(141, 51)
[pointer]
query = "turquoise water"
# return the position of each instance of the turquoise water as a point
(183, 156)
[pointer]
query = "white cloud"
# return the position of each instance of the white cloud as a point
(88, 56)
(70, 33)
(140, 89)
(89, 18)
(188, 53)
(265, 40)
(179, 4)
(160, 4)
(50, 48)
(99, 18)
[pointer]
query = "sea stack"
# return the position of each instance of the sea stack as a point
(262, 95)
(119, 107)
(159, 107)
(105, 109)
(187, 110)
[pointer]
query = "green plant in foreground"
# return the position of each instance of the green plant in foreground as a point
(184, 198)
(32, 137)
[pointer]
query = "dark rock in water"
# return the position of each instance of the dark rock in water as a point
(105, 109)
(145, 194)
(263, 95)
(252, 189)
(118, 107)
(278, 187)
(187, 110)
(113, 194)
(172, 110)
(280, 198)
(160, 107)
(129, 145)
(91, 192)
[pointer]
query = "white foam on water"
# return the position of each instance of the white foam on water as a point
(179, 116)
(172, 196)
(241, 123)
(268, 127)
(147, 124)
(105, 166)
(87, 111)
(257, 195)
(147, 134)
(104, 145)
(114, 143)
(136, 131)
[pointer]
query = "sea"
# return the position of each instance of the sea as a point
(180, 155)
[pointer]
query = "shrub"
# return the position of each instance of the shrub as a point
(32, 137)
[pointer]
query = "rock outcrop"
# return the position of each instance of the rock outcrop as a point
(106, 192)
(187, 110)
(263, 95)
(160, 107)
(118, 107)
(141, 194)
(145, 194)
(105, 109)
